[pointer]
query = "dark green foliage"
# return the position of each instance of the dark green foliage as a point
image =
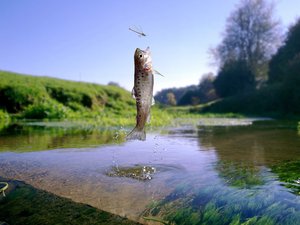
(234, 78)
(266, 102)
(190, 98)
(280, 63)
(67, 97)
(26, 205)
(290, 88)
(16, 96)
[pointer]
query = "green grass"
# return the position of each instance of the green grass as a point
(42, 97)
(197, 112)
(33, 97)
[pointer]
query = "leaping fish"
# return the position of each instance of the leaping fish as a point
(142, 91)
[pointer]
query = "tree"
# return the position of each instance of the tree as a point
(287, 53)
(285, 70)
(171, 99)
(251, 37)
(190, 97)
(207, 90)
(112, 83)
(162, 97)
(234, 78)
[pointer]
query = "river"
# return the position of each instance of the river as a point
(213, 171)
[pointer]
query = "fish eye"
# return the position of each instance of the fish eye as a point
(141, 55)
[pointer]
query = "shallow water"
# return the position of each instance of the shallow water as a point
(199, 168)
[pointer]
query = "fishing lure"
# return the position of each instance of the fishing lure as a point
(138, 31)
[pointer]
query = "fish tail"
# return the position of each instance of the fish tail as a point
(137, 134)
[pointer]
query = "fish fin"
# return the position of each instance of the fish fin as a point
(133, 93)
(137, 134)
(153, 101)
(158, 73)
(149, 118)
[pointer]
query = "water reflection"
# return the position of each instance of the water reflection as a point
(263, 143)
(46, 136)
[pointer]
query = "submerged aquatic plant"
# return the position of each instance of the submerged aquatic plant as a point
(289, 173)
(226, 204)
(239, 175)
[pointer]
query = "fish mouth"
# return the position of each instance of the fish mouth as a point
(148, 65)
(139, 51)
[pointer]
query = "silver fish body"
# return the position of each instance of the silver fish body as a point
(142, 91)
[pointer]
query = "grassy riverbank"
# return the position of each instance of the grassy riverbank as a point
(31, 97)
(40, 98)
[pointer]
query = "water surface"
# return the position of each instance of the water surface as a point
(216, 171)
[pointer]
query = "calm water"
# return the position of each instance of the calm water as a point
(214, 171)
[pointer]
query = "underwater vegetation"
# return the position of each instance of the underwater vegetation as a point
(289, 173)
(239, 175)
(246, 199)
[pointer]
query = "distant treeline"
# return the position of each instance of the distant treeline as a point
(191, 95)
(258, 70)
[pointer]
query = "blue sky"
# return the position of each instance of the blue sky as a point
(89, 40)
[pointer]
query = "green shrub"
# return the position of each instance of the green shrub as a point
(4, 119)
(47, 110)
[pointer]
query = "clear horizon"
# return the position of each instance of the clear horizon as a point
(90, 41)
